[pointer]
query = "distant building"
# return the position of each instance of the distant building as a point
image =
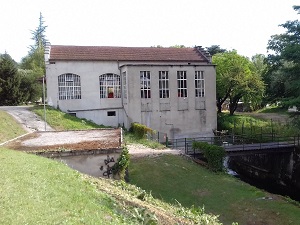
(171, 90)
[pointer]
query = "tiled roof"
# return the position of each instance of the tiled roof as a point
(100, 53)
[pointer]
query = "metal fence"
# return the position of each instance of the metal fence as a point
(257, 141)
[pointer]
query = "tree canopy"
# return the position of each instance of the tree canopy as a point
(214, 49)
(10, 81)
(237, 79)
(284, 65)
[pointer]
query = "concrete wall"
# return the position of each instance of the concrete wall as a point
(178, 117)
(90, 106)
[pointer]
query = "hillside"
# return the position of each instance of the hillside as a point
(36, 190)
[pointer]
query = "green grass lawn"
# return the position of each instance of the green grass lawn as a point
(64, 121)
(36, 190)
(9, 128)
(175, 178)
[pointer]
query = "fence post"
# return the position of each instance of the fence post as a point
(158, 136)
(185, 147)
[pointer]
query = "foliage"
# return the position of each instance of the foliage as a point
(64, 121)
(10, 81)
(213, 153)
(214, 49)
(251, 128)
(284, 65)
(9, 128)
(174, 178)
(236, 80)
(120, 167)
(131, 138)
(140, 130)
(30, 87)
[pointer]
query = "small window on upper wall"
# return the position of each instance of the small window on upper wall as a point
(111, 113)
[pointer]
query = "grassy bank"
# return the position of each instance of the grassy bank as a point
(64, 121)
(9, 127)
(36, 190)
(173, 177)
(249, 126)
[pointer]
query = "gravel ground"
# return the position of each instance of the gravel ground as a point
(137, 150)
(72, 139)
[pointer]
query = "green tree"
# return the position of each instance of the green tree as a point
(33, 65)
(10, 81)
(284, 65)
(35, 58)
(214, 49)
(236, 80)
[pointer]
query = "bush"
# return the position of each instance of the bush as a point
(213, 153)
(119, 168)
(140, 130)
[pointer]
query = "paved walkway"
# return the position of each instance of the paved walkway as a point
(29, 120)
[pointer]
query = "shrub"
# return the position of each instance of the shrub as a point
(140, 130)
(213, 153)
(119, 168)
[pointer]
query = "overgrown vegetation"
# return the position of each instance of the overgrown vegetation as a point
(131, 138)
(120, 167)
(214, 154)
(140, 130)
(253, 128)
(174, 178)
(9, 128)
(64, 121)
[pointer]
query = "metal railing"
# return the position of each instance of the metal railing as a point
(237, 142)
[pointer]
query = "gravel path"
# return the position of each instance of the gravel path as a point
(138, 150)
(29, 120)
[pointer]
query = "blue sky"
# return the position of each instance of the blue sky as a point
(244, 25)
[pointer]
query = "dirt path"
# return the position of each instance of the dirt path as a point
(138, 150)
(28, 119)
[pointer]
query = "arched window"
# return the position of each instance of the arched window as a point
(69, 86)
(110, 86)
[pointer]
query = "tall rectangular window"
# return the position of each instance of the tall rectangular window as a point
(163, 83)
(199, 84)
(182, 84)
(124, 84)
(145, 84)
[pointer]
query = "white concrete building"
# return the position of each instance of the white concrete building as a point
(171, 90)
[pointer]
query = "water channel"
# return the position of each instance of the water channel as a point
(277, 173)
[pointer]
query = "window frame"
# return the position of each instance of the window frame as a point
(69, 86)
(145, 84)
(124, 76)
(163, 84)
(199, 84)
(109, 85)
(182, 84)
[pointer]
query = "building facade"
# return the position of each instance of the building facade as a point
(171, 90)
